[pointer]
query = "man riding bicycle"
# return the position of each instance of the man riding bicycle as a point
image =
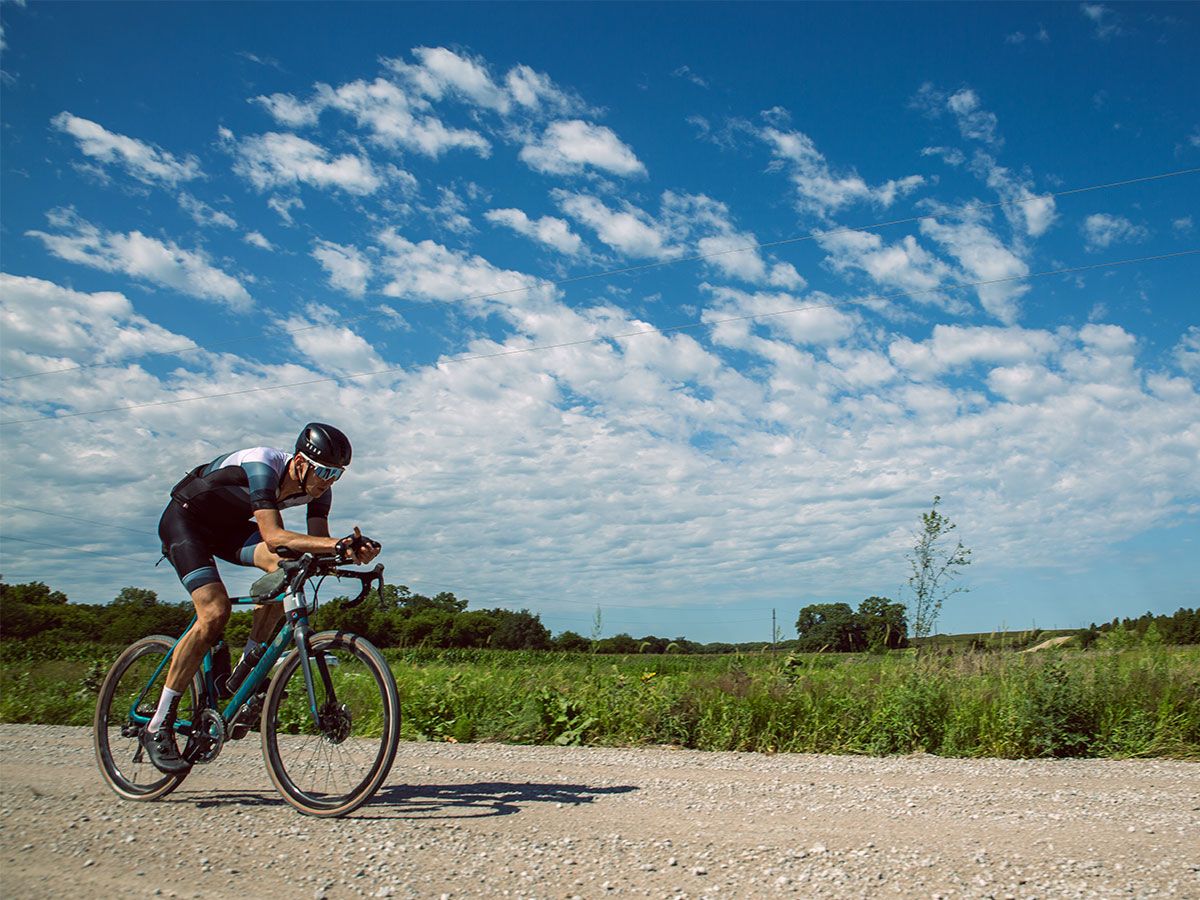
(230, 509)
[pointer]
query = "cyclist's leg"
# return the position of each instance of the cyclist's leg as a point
(247, 548)
(266, 615)
(212, 612)
(190, 547)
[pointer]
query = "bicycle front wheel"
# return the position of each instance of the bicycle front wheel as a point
(127, 701)
(332, 770)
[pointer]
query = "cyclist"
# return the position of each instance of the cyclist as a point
(230, 508)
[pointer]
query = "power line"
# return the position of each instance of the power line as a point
(627, 270)
(613, 337)
(46, 512)
(68, 547)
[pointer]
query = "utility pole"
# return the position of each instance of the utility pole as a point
(773, 631)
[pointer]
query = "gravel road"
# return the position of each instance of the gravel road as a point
(473, 820)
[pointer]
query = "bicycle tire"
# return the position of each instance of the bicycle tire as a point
(291, 753)
(136, 779)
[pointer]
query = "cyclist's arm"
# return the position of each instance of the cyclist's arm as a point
(275, 536)
(318, 527)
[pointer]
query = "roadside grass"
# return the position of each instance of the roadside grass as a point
(1100, 703)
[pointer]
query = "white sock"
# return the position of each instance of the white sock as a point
(164, 704)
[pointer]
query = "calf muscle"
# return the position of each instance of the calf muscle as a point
(212, 612)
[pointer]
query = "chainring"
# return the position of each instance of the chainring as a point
(208, 737)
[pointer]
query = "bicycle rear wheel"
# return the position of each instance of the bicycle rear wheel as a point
(332, 771)
(123, 763)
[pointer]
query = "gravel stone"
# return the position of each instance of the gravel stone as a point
(488, 820)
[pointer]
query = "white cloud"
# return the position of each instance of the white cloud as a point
(904, 267)
(1027, 211)
(144, 258)
(690, 75)
(330, 347)
(536, 91)
(205, 215)
(1102, 230)
(822, 191)
(347, 268)
(283, 206)
(569, 147)
(443, 71)
(548, 230)
(287, 110)
(648, 466)
(450, 211)
(984, 258)
(48, 327)
(1025, 383)
(974, 122)
(256, 239)
(783, 314)
(399, 112)
(275, 160)
(1105, 22)
(952, 156)
(399, 120)
(1187, 351)
(429, 271)
(145, 162)
(953, 347)
(734, 255)
(628, 230)
(1183, 225)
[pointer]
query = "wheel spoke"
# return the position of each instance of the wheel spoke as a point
(334, 769)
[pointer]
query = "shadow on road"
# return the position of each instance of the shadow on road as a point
(483, 798)
(433, 801)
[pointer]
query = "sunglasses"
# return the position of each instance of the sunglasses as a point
(325, 473)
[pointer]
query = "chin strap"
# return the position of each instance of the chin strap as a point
(304, 480)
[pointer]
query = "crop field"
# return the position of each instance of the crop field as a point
(1098, 703)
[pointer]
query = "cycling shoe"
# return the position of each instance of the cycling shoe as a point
(160, 747)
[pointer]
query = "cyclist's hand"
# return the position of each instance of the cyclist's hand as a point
(357, 548)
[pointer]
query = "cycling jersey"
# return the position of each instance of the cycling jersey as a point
(231, 487)
(211, 513)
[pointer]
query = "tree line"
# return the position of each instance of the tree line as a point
(401, 618)
(398, 617)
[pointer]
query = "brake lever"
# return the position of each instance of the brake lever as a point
(375, 576)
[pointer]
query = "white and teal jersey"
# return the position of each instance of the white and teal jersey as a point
(234, 485)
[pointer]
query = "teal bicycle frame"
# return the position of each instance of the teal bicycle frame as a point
(295, 630)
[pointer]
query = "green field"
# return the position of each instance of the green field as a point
(1099, 703)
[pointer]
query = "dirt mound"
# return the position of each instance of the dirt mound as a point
(1053, 642)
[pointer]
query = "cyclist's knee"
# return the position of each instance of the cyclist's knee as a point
(212, 611)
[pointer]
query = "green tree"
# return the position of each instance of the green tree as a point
(519, 631)
(135, 597)
(618, 643)
(33, 593)
(829, 626)
(934, 568)
(571, 641)
(472, 629)
(884, 623)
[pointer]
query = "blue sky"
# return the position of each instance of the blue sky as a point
(753, 419)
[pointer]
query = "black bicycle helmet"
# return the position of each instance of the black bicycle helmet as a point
(324, 445)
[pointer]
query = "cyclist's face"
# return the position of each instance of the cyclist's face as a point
(315, 486)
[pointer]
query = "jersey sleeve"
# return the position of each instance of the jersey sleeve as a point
(319, 508)
(263, 483)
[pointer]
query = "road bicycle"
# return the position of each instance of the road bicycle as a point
(328, 711)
